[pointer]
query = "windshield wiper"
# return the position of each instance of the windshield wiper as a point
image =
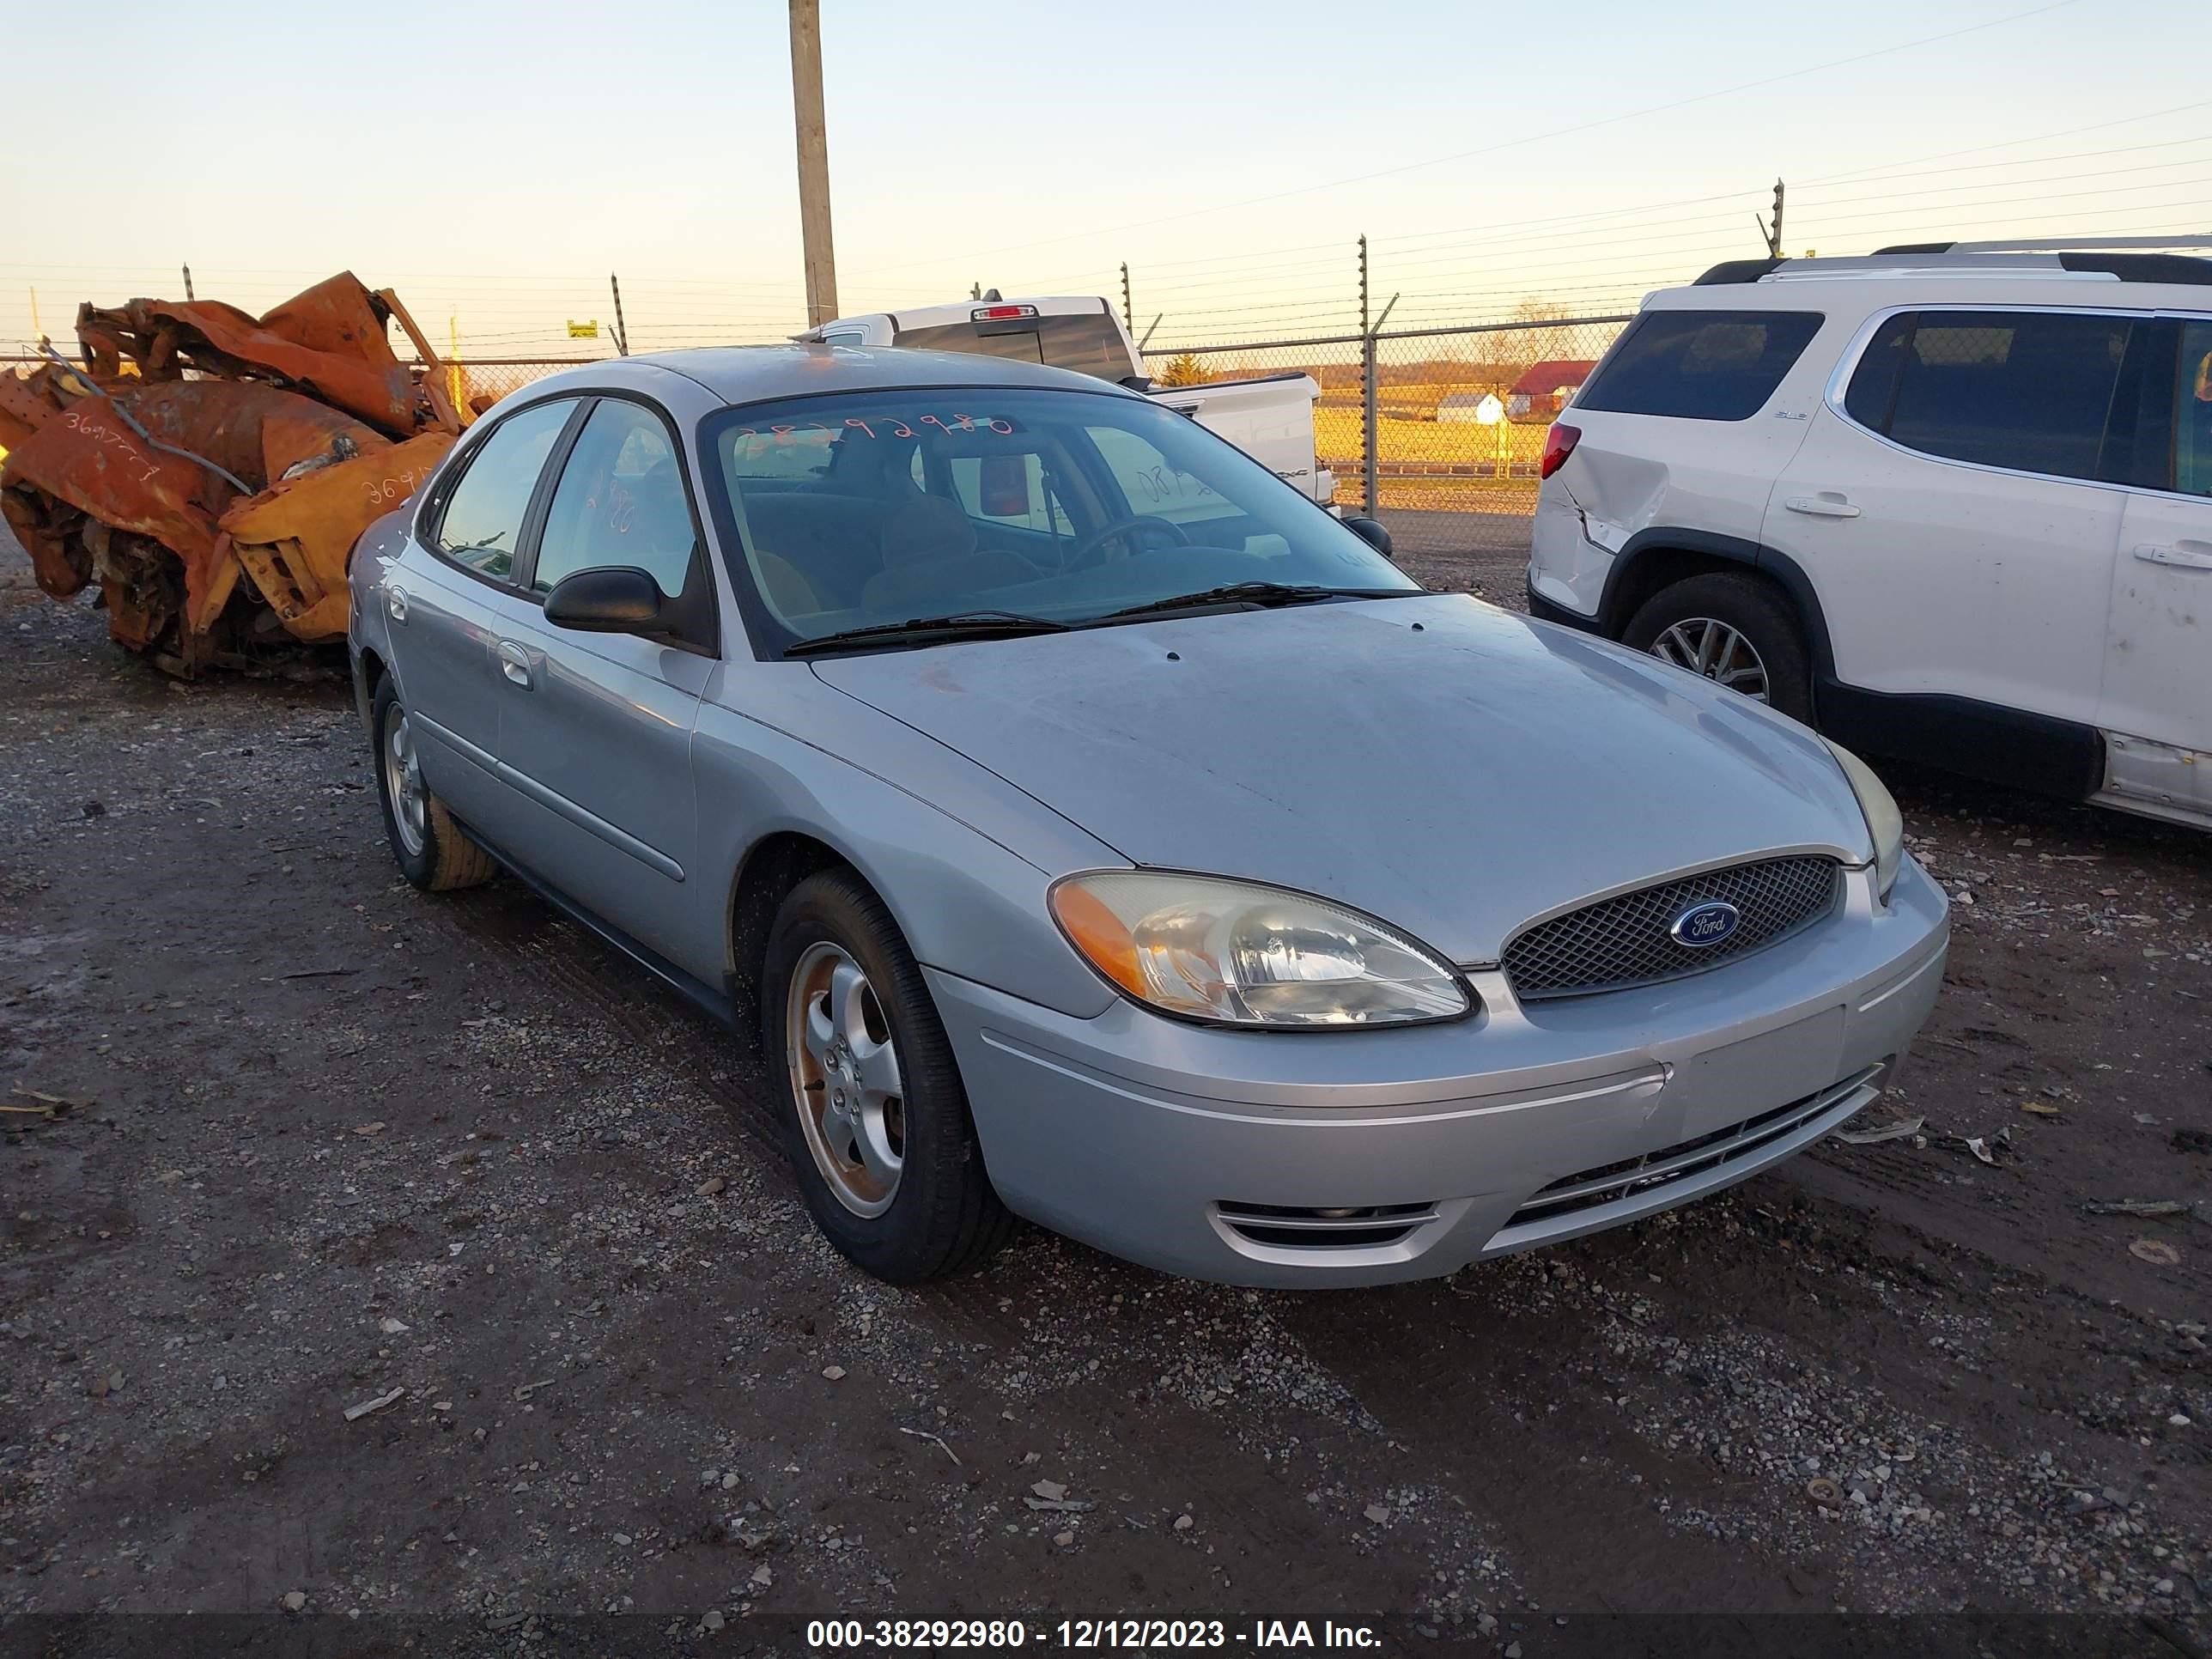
(959, 625)
(1261, 593)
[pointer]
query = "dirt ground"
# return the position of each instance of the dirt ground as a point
(345, 1142)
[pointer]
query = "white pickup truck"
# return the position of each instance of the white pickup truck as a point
(1270, 418)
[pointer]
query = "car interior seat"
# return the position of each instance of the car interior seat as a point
(931, 560)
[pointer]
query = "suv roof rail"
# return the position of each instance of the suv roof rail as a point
(1737, 271)
(2102, 255)
(2051, 245)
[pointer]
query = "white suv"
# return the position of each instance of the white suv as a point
(1951, 503)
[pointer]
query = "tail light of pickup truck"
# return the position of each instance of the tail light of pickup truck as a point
(1558, 443)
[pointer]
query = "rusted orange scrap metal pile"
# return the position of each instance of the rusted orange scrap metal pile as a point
(212, 470)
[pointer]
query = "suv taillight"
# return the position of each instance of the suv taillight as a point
(1558, 443)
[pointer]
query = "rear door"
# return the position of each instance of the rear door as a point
(2157, 698)
(443, 603)
(1951, 508)
(595, 729)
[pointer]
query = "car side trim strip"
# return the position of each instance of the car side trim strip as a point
(455, 741)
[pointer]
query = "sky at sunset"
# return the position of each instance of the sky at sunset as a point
(495, 162)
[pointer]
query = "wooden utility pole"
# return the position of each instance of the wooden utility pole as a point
(813, 160)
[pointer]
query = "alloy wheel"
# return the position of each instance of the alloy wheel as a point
(845, 1080)
(1716, 651)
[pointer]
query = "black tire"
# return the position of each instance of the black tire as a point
(943, 1216)
(447, 858)
(1754, 609)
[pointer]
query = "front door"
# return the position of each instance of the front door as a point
(595, 729)
(2157, 704)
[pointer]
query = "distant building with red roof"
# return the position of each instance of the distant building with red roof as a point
(1545, 389)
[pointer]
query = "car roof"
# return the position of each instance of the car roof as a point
(745, 374)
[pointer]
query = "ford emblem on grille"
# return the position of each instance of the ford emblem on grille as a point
(1705, 924)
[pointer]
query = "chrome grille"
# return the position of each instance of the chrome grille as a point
(1623, 940)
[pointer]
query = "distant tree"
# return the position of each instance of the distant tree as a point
(1184, 369)
(1522, 348)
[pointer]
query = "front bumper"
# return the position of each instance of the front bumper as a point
(1221, 1154)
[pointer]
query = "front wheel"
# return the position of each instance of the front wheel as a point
(876, 1122)
(1736, 631)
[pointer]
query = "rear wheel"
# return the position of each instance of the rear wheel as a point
(428, 846)
(877, 1123)
(1737, 631)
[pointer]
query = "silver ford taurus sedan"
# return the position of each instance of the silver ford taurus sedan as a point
(1093, 829)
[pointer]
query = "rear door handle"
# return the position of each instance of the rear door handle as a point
(395, 604)
(514, 662)
(1822, 506)
(2182, 556)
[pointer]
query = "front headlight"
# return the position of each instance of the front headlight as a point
(1884, 822)
(1247, 955)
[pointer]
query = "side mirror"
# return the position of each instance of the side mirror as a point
(1371, 531)
(620, 600)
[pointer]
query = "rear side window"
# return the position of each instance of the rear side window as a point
(482, 520)
(2033, 391)
(1700, 365)
(1088, 342)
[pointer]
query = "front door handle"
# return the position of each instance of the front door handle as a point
(395, 604)
(2182, 556)
(514, 662)
(1822, 506)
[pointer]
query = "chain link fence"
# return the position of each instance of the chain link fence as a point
(478, 384)
(1438, 432)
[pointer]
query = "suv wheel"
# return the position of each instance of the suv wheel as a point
(1736, 631)
(428, 846)
(877, 1123)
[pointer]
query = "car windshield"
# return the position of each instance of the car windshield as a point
(880, 508)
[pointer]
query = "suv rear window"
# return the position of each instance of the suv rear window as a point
(2029, 391)
(1700, 365)
(1087, 343)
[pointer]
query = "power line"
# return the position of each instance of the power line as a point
(1545, 137)
(2013, 143)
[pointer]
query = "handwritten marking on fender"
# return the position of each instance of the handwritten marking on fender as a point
(400, 486)
(110, 438)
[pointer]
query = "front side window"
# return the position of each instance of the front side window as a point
(1699, 364)
(2192, 414)
(620, 501)
(482, 517)
(2031, 392)
(1149, 478)
(1059, 506)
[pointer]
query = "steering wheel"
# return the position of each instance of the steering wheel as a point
(1085, 555)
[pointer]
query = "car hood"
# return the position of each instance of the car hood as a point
(1446, 767)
